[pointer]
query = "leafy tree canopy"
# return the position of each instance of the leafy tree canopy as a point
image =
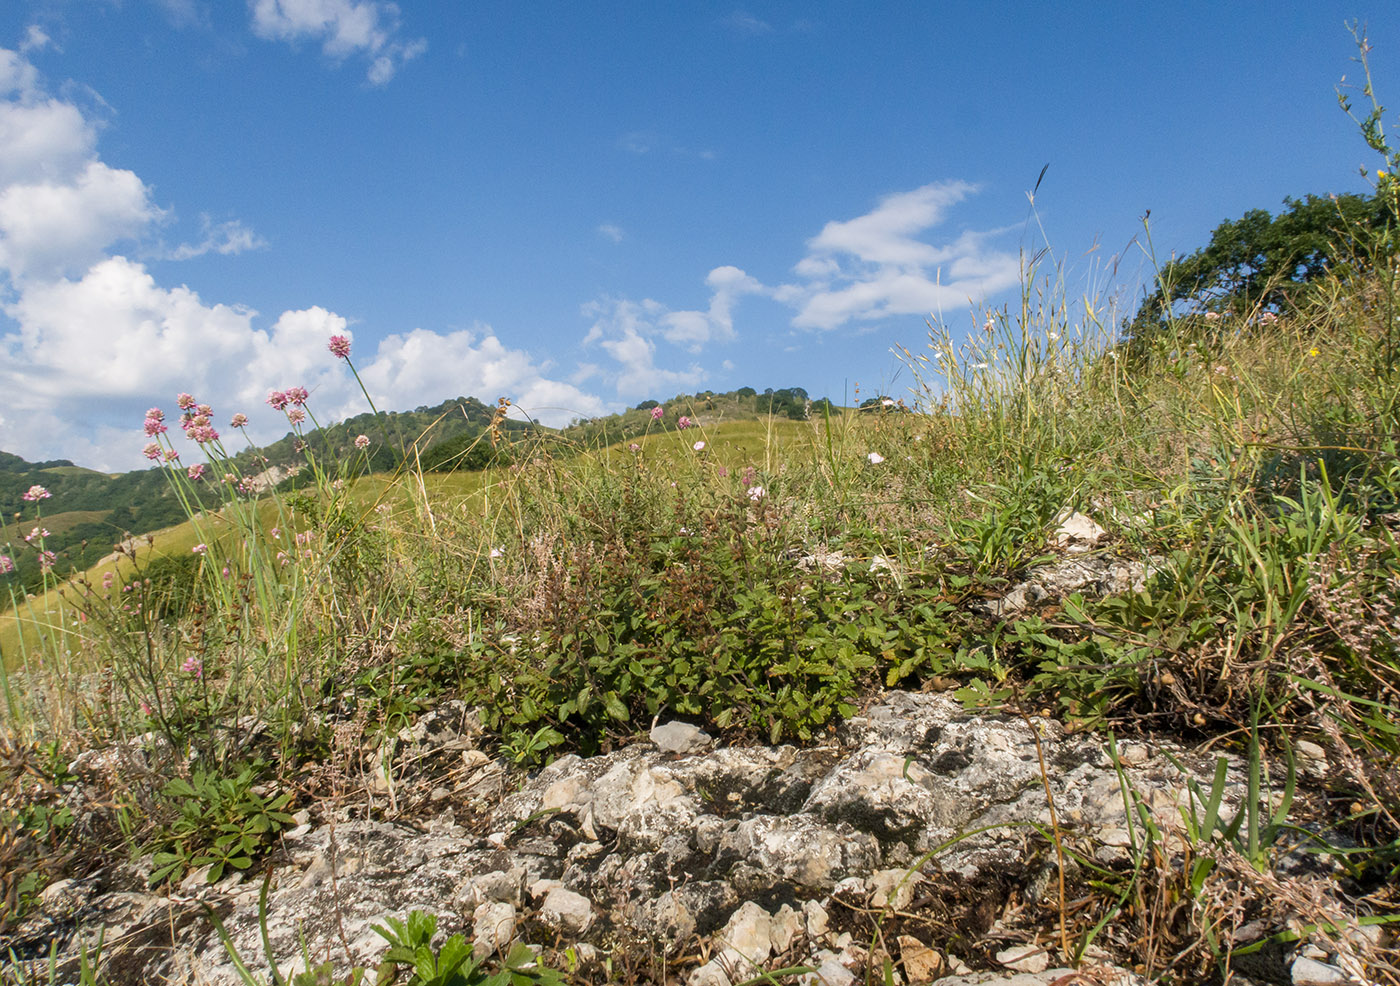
(1259, 262)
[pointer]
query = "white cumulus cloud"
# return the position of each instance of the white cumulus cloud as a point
(875, 266)
(343, 27)
(89, 339)
(62, 227)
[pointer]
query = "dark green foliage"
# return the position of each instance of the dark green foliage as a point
(468, 451)
(715, 624)
(1261, 262)
(219, 821)
(396, 437)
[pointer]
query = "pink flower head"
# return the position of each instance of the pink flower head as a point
(171, 455)
(749, 476)
(185, 402)
(200, 548)
(657, 413)
(35, 494)
(203, 434)
(155, 414)
(239, 420)
(204, 411)
(634, 447)
(296, 415)
(152, 450)
(107, 579)
(699, 446)
(154, 428)
(7, 564)
(756, 493)
(339, 347)
(47, 559)
(277, 399)
(196, 471)
(683, 423)
(362, 442)
(297, 395)
(193, 666)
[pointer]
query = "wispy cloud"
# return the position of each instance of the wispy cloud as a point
(35, 39)
(743, 22)
(225, 238)
(646, 142)
(628, 331)
(369, 28)
(611, 232)
(879, 265)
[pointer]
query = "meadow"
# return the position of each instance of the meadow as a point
(1251, 455)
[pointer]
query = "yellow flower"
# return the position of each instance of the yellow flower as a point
(1312, 352)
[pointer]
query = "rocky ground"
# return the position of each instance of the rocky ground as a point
(919, 835)
(920, 842)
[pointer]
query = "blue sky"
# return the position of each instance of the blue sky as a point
(581, 206)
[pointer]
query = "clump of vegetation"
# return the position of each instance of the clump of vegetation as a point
(763, 577)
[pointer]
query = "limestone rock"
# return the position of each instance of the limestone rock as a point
(567, 912)
(1076, 532)
(1024, 958)
(1310, 972)
(680, 737)
(493, 928)
(921, 963)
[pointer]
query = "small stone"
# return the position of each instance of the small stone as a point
(587, 954)
(829, 973)
(892, 888)
(921, 963)
(1309, 749)
(817, 918)
(1116, 837)
(710, 974)
(1310, 972)
(497, 839)
(55, 893)
(1363, 934)
(1024, 958)
(786, 925)
(1077, 533)
(1133, 754)
(680, 737)
(493, 927)
(196, 879)
(749, 932)
(566, 911)
(541, 888)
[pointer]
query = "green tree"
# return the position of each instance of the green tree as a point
(1261, 262)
